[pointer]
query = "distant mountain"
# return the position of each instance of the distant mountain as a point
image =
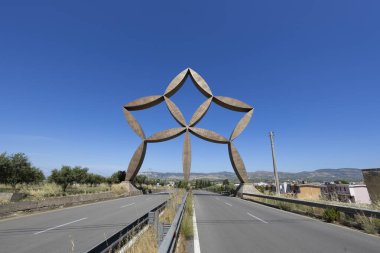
(321, 175)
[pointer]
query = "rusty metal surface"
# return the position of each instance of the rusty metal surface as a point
(200, 112)
(136, 162)
(173, 87)
(237, 163)
(208, 135)
(175, 112)
(232, 104)
(241, 125)
(176, 83)
(134, 124)
(166, 134)
(200, 83)
(144, 103)
(186, 157)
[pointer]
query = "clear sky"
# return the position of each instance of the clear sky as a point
(311, 70)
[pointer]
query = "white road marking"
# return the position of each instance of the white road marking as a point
(127, 205)
(257, 218)
(59, 226)
(197, 248)
(217, 198)
(148, 198)
(227, 203)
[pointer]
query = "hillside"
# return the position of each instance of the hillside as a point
(320, 175)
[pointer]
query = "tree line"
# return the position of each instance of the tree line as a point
(17, 169)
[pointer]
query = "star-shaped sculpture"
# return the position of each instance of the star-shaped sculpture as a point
(208, 135)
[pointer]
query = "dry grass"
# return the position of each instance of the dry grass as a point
(181, 244)
(368, 224)
(119, 188)
(4, 202)
(38, 192)
(146, 243)
(187, 221)
(41, 191)
(175, 199)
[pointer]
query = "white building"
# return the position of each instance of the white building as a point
(359, 194)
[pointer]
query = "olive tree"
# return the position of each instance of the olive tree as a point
(17, 169)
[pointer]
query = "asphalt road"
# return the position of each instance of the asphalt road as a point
(74, 229)
(228, 224)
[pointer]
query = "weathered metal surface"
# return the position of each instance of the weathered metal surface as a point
(208, 135)
(232, 104)
(136, 162)
(166, 134)
(173, 87)
(200, 83)
(134, 124)
(176, 83)
(186, 157)
(144, 103)
(175, 112)
(237, 163)
(200, 112)
(241, 125)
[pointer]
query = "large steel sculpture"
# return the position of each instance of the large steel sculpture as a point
(186, 128)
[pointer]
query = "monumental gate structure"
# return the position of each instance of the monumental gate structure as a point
(187, 127)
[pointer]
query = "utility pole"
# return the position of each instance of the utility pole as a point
(274, 164)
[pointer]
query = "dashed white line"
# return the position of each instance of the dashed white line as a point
(257, 218)
(68, 223)
(217, 198)
(227, 203)
(127, 205)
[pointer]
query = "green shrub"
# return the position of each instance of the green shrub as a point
(330, 215)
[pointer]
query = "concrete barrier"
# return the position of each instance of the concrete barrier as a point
(10, 196)
(50, 203)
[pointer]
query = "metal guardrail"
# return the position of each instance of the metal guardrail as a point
(344, 209)
(169, 243)
(113, 242)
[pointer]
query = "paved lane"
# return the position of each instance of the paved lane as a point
(75, 229)
(227, 224)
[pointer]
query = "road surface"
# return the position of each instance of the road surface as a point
(229, 225)
(74, 229)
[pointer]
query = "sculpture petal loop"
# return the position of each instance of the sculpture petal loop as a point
(134, 124)
(136, 162)
(175, 112)
(200, 112)
(241, 125)
(200, 83)
(166, 134)
(232, 104)
(208, 135)
(237, 163)
(176, 83)
(144, 103)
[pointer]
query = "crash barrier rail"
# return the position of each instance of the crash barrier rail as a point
(170, 240)
(343, 209)
(114, 242)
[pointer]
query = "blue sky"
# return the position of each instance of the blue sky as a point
(310, 69)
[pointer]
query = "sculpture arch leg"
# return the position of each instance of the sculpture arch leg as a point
(136, 162)
(237, 163)
(186, 157)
